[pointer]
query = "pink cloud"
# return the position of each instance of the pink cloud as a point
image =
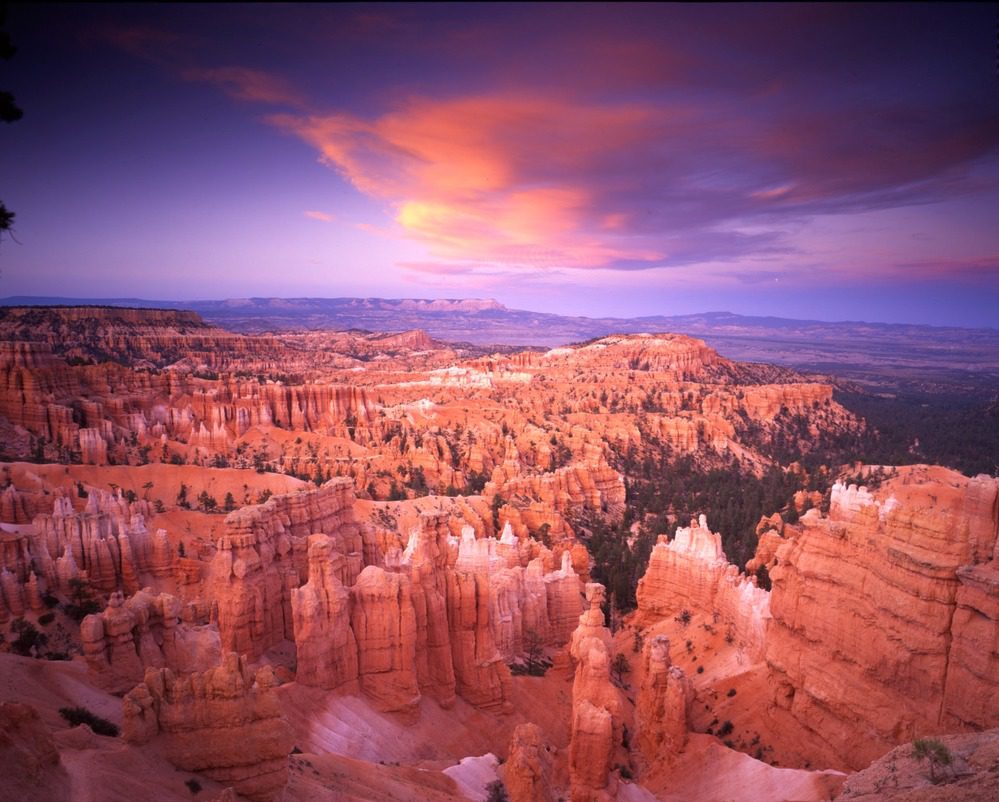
(321, 216)
(492, 178)
(243, 83)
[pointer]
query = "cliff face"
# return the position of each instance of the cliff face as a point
(144, 631)
(482, 677)
(384, 623)
(262, 558)
(884, 622)
(426, 558)
(326, 649)
(691, 573)
(225, 722)
(106, 546)
(881, 625)
(107, 543)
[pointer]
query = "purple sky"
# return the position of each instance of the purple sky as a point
(821, 161)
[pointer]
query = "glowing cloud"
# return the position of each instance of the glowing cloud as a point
(323, 217)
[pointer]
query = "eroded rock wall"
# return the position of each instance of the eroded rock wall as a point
(225, 722)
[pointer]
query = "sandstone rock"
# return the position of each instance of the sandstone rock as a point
(326, 648)
(899, 777)
(597, 725)
(662, 709)
(426, 559)
(526, 773)
(144, 631)
(691, 572)
(883, 623)
(591, 749)
(482, 677)
(108, 540)
(225, 722)
(31, 768)
(384, 624)
(564, 601)
(262, 557)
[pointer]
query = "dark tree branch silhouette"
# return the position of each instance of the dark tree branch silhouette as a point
(9, 112)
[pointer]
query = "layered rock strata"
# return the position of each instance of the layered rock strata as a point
(225, 722)
(662, 709)
(481, 676)
(263, 556)
(384, 623)
(107, 543)
(884, 614)
(426, 561)
(597, 726)
(692, 573)
(144, 631)
(325, 645)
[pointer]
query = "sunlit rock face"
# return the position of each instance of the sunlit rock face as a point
(437, 546)
(326, 649)
(692, 573)
(263, 556)
(884, 614)
(108, 541)
(225, 722)
(596, 704)
(384, 624)
(481, 675)
(881, 623)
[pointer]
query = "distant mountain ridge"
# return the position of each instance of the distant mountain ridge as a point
(876, 352)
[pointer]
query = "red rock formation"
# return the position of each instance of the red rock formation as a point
(884, 622)
(325, 644)
(481, 675)
(426, 559)
(662, 709)
(225, 722)
(12, 594)
(144, 631)
(527, 770)
(973, 660)
(108, 540)
(596, 487)
(596, 703)
(15, 507)
(384, 624)
(30, 759)
(899, 776)
(691, 573)
(262, 557)
(564, 598)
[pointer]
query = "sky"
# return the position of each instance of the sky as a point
(830, 162)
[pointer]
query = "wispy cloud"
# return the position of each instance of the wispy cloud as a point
(647, 140)
(542, 180)
(243, 83)
(323, 217)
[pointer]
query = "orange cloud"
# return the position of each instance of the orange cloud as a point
(496, 178)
